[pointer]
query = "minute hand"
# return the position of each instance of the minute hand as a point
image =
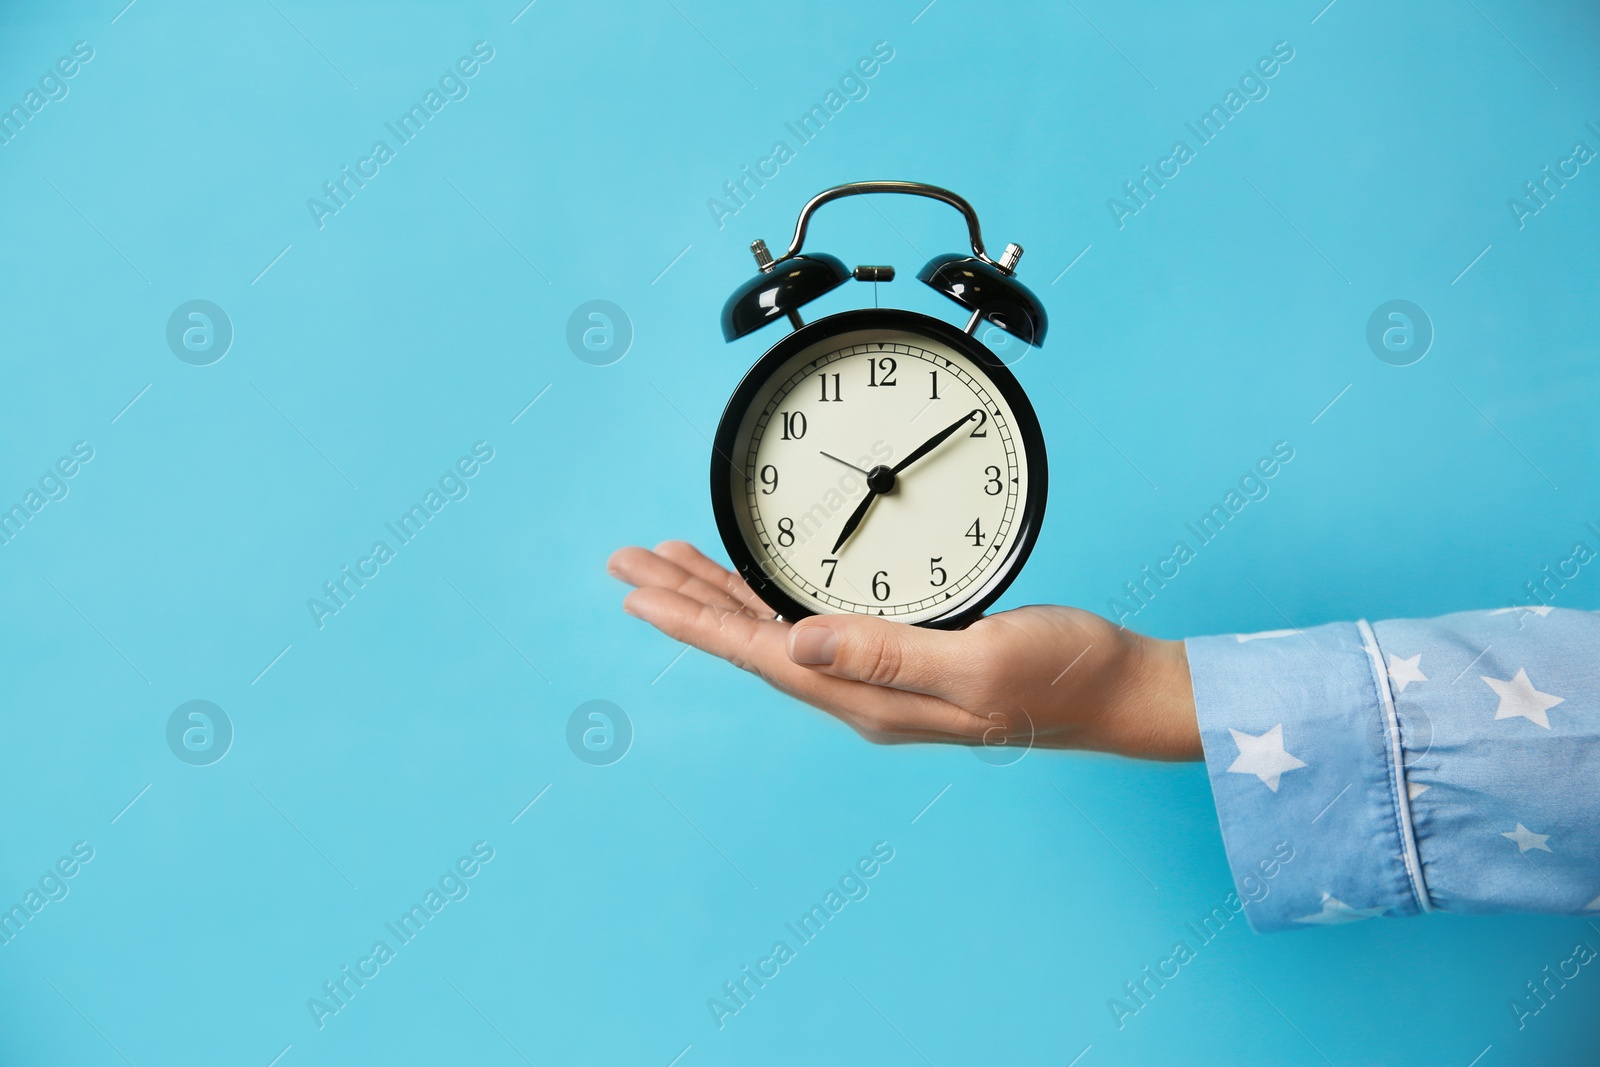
(935, 441)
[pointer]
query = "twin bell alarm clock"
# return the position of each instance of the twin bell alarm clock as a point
(880, 461)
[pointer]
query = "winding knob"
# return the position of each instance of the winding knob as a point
(758, 248)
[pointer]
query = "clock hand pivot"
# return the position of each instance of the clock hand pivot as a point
(881, 479)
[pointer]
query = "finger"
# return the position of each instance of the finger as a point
(883, 653)
(642, 568)
(709, 570)
(760, 646)
(731, 635)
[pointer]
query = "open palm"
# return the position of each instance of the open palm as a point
(1044, 675)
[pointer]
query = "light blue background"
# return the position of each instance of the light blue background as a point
(416, 323)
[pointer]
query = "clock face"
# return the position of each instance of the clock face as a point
(880, 463)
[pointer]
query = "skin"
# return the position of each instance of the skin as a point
(1052, 677)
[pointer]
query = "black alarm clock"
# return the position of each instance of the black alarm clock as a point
(880, 461)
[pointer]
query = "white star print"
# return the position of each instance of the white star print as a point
(1416, 789)
(1403, 672)
(1526, 838)
(1242, 638)
(1263, 756)
(1542, 610)
(1336, 912)
(1519, 697)
(1593, 905)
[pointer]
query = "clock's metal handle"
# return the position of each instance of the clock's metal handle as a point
(1006, 263)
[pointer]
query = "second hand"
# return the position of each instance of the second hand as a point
(847, 463)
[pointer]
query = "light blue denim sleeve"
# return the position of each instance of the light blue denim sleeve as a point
(1445, 764)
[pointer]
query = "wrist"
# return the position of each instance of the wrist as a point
(1134, 698)
(1162, 701)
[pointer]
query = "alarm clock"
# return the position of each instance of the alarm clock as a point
(880, 461)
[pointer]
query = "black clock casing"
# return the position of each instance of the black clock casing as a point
(984, 286)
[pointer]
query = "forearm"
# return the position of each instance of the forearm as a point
(1408, 766)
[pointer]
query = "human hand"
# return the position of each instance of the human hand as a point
(1054, 677)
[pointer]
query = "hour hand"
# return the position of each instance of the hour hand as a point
(880, 480)
(852, 522)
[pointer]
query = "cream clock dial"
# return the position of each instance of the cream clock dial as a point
(883, 463)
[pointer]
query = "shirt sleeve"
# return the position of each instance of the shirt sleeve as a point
(1414, 765)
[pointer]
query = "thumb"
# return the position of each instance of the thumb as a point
(878, 652)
